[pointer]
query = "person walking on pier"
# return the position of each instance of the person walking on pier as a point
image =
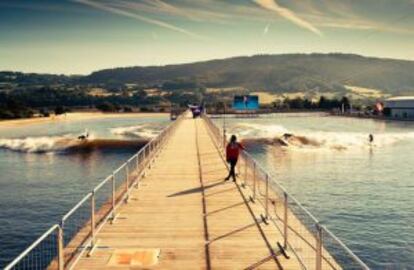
(232, 155)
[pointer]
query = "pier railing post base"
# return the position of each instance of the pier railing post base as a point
(113, 198)
(61, 254)
(285, 221)
(318, 247)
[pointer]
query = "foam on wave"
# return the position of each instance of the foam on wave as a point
(145, 131)
(66, 143)
(277, 135)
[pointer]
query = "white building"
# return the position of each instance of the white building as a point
(400, 107)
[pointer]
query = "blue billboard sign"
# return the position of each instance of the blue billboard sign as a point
(246, 103)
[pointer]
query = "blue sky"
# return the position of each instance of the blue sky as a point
(80, 36)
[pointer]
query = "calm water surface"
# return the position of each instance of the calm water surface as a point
(364, 193)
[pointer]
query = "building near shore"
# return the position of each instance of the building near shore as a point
(400, 107)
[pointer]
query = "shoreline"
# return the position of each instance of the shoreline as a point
(75, 116)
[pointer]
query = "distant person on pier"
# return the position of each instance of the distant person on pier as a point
(232, 155)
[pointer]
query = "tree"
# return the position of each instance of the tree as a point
(106, 107)
(322, 104)
(128, 109)
(346, 103)
(44, 112)
(60, 110)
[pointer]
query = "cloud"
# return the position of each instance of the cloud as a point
(158, 6)
(347, 14)
(288, 14)
(314, 16)
(125, 13)
(210, 11)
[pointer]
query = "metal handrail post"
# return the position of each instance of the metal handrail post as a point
(137, 165)
(113, 197)
(245, 170)
(61, 256)
(127, 181)
(237, 169)
(285, 219)
(267, 196)
(151, 150)
(224, 138)
(149, 155)
(93, 234)
(254, 180)
(318, 247)
(138, 171)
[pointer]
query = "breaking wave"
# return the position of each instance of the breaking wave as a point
(249, 130)
(277, 135)
(144, 131)
(66, 143)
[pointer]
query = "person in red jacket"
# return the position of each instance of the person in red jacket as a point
(232, 155)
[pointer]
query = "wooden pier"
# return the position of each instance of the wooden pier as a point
(183, 215)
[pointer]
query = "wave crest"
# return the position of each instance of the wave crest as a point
(39, 144)
(67, 143)
(144, 131)
(278, 135)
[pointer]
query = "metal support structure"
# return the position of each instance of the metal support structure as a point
(127, 181)
(61, 255)
(254, 180)
(93, 225)
(137, 163)
(149, 155)
(267, 196)
(138, 169)
(245, 170)
(224, 126)
(318, 247)
(224, 139)
(113, 197)
(285, 221)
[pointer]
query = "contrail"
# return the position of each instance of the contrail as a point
(266, 29)
(138, 17)
(288, 14)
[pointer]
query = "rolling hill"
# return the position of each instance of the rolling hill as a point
(272, 73)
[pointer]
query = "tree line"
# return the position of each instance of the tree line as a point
(24, 103)
(323, 103)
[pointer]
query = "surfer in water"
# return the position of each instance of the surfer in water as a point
(371, 138)
(84, 136)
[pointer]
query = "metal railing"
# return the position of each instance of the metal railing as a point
(304, 236)
(65, 243)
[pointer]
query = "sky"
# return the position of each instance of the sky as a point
(81, 36)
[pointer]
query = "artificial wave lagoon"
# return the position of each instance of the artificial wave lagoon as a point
(361, 189)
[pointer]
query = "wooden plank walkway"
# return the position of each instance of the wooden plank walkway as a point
(185, 209)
